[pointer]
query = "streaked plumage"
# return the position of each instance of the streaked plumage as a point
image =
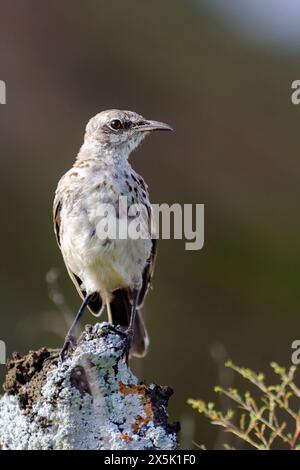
(111, 270)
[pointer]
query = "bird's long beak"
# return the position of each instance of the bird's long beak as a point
(153, 126)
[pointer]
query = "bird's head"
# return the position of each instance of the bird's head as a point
(120, 130)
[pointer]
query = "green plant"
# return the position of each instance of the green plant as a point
(272, 420)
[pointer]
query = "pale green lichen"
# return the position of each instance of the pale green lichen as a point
(94, 414)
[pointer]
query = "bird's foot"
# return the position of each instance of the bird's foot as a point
(116, 329)
(53, 355)
(128, 342)
(69, 346)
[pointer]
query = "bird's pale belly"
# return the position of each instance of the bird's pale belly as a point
(103, 265)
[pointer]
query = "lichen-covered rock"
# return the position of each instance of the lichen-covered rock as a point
(90, 401)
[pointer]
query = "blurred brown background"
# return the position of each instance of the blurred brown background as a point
(236, 149)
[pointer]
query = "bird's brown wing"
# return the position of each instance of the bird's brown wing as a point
(148, 274)
(149, 268)
(56, 223)
(95, 304)
(56, 219)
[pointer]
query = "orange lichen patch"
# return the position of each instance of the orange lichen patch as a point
(149, 416)
(132, 389)
(148, 410)
(147, 405)
(125, 437)
(139, 422)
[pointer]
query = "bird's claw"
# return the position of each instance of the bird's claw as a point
(52, 356)
(116, 329)
(69, 346)
(128, 342)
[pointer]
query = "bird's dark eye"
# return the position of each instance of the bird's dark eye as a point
(116, 124)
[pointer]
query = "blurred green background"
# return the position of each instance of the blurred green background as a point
(226, 90)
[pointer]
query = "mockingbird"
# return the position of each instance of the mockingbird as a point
(110, 272)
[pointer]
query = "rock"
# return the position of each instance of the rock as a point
(90, 401)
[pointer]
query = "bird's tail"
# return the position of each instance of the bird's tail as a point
(120, 307)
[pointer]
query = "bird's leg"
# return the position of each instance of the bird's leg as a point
(109, 315)
(130, 329)
(70, 339)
